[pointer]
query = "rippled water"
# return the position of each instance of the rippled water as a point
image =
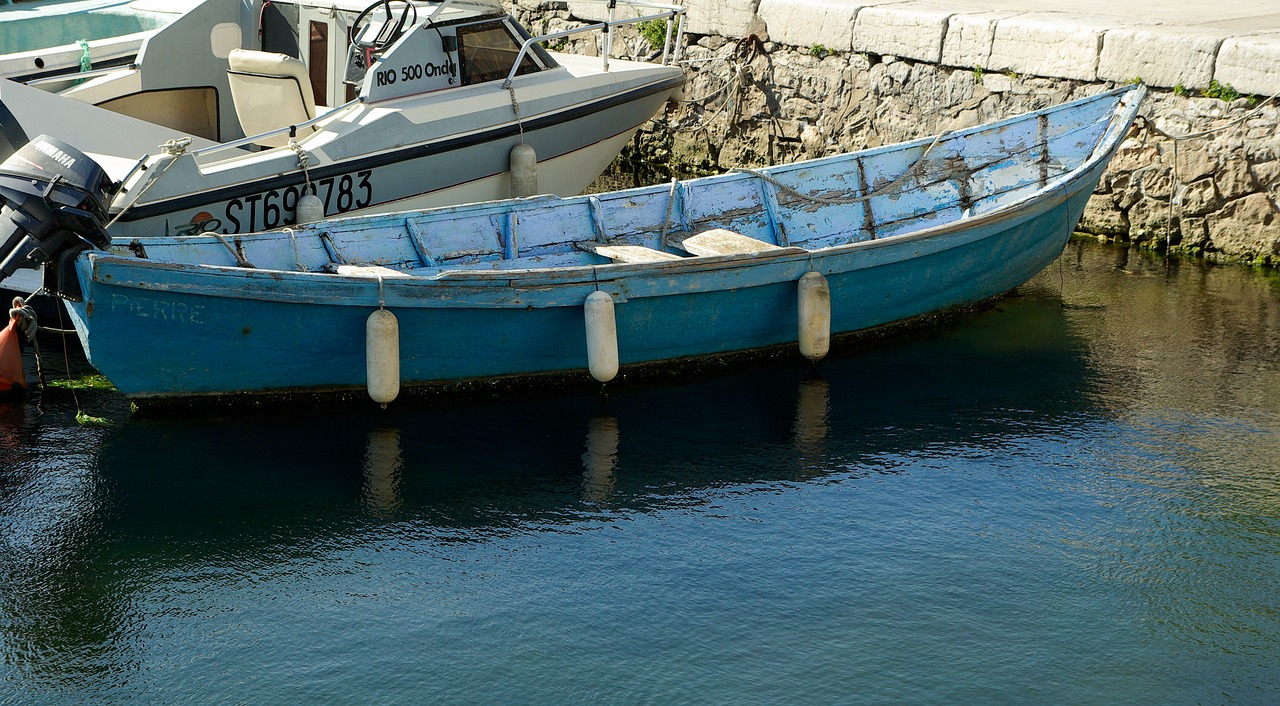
(1070, 497)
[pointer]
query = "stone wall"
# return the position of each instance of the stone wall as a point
(769, 88)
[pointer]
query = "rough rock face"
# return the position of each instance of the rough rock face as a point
(752, 101)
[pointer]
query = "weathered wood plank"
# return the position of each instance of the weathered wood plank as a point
(629, 253)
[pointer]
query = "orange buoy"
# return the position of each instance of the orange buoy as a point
(12, 378)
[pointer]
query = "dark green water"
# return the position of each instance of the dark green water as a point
(1070, 497)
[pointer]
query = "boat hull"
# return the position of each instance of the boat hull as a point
(571, 154)
(263, 335)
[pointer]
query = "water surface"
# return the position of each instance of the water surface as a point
(1068, 497)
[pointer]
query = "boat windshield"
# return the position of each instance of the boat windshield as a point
(488, 50)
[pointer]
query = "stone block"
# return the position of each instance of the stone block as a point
(969, 38)
(800, 109)
(1250, 64)
(727, 19)
(589, 11)
(941, 91)
(1193, 163)
(1200, 197)
(1193, 232)
(966, 119)
(910, 30)
(1101, 217)
(1234, 178)
(889, 79)
(1267, 174)
(1247, 226)
(1159, 56)
(1135, 154)
(997, 83)
(957, 89)
(803, 23)
(1156, 182)
(1151, 219)
(1044, 45)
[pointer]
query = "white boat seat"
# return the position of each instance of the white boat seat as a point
(629, 254)
(723, 242)
(269, 91)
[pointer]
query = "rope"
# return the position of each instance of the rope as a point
(911, 172)
(1175, 180)
(515, 105)
(304, 161)
(671, 202)
(86, 61)
(745, 49)
(297, 259)
(719, 90)
(26, 317)
(27, 325)
(66, 362)
(734, 83)
(240, 261)
(1147, 124)
(166, 147)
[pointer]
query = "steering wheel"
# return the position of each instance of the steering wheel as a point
(389, 32)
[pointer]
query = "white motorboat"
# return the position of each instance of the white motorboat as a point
(235, 111)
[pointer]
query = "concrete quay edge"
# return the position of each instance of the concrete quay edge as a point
(1165, 43)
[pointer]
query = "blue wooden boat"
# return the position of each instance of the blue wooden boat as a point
(744, 261)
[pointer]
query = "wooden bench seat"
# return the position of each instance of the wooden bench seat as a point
(629, 254)
(370, 271)
(723, 242)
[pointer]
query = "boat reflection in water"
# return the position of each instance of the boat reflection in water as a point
(383, 468)
(600, 460)
(251, 496)
(972, 382)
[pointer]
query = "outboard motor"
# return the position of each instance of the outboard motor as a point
(54, 206)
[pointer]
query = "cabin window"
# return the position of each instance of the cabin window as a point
(279, 31)
(488, 50)
(318, 62)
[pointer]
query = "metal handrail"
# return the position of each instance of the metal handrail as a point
(672, 11)
(250, 139)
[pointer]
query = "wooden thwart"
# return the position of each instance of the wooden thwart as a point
(629, 253)
(723, 242)
(370, 271)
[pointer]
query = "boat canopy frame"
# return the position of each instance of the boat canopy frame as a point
(672, 14)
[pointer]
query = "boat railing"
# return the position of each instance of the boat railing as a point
(292, 130)
(673, 14)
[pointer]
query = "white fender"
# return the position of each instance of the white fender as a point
(815, 316)
(602, 336)
(309, 209)
(524, 171)
(382, 356)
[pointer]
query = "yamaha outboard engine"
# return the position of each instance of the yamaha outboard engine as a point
(54, 206)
